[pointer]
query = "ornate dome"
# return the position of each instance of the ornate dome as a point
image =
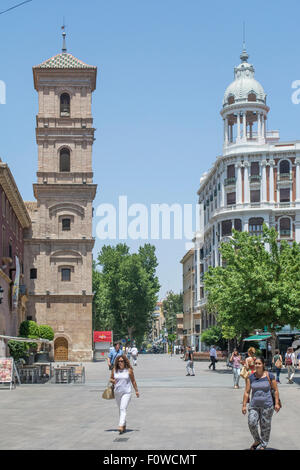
(244, 88)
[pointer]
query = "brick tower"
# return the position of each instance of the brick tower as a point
(58, 247)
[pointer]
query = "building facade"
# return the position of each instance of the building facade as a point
(191, 321)
(14, 219)
(58, 247)
(255, 181)
(158, 322)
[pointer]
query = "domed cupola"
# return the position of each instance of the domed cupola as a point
(244, 107)
(244, 88)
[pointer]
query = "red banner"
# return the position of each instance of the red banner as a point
(102, 336)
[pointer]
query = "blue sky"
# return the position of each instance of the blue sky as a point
(163, 66)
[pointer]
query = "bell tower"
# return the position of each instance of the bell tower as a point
(59, 247)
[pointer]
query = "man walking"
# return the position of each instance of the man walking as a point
(189, 356)
(290, 362)
(115, 352)
(134, 354)
(213, 357)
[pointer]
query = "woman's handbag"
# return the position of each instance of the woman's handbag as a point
(244, 373)
(108, 393)
(273, 392)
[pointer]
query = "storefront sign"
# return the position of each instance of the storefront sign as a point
(102, 336)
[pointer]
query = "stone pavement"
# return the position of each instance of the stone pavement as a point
(173, 411)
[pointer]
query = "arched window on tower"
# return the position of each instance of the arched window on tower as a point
(284, 169)
(285, 227)
(65, 104)
(252, 97)
(64, 160)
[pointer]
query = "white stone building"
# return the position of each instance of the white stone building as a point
(255, 181)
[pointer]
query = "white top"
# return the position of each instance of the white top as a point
(134, 351)
(123, 382)
(292, 356)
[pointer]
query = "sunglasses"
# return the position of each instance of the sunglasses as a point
(120, 360)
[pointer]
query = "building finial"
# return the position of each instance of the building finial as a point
(244, 56)
(64, 48)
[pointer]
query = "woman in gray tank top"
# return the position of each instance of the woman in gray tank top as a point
(261, 407)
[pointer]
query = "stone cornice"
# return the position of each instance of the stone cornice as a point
(67, 241)
(62, 188)
(12, 193)
(80, 298)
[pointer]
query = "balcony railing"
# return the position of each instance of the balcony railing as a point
(229, 181)
(254, 178)
(284, 176)
(285, 233)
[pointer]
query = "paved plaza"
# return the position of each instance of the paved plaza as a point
(173, 411)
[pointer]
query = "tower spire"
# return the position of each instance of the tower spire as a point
(64, 47)
(244, 56)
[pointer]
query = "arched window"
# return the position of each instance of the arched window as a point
(231, 99)
(252, 97)
(284, 167)
(65, 104)
(64, 160)
(238, 225)
(256, 225)
(285, 227)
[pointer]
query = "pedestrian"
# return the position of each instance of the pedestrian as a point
(122, 377)
(189, 357)
(277, 362)
(213, 357)
(261, 407)
(129, 352)
(250, 360)
(134, 354)
(290, 363)
(236, 367)
(113, 353)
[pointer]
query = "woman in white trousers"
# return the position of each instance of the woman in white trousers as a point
(122, 377)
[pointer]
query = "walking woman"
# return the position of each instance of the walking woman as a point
(236, 367)
(122, 377)
(277, 362)
(250, 360)
(290, 362)
(261, 406)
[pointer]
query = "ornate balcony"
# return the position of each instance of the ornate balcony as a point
(229, 181)
(255, 178)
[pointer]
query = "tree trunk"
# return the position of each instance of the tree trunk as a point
(130, 330)
(273, 342)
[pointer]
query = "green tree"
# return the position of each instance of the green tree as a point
(214, 336)
(172, 305)
(258, 285)
(46, 332)
(125, 290)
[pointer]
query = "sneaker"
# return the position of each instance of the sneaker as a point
(193, 375)
(187, 374)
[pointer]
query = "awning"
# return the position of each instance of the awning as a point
(258, 337)
(25, 340)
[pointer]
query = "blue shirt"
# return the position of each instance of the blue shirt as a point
(113, 354)
(213, 352)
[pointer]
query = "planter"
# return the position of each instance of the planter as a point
(42, 357)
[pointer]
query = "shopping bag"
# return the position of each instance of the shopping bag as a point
(108, 393)
(244, 373)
